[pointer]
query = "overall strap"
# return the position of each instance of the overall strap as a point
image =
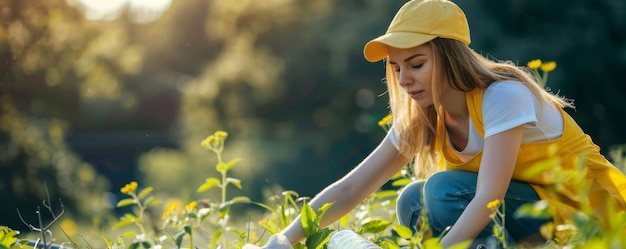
(474, 101)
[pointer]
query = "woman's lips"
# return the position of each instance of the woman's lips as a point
(415, 94)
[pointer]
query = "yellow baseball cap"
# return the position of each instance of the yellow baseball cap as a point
(417, 22)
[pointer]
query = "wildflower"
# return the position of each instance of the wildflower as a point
(493, 204)
(171, 207)
(385, 121)
(548, 66)
(221, 135)
(207, 142)
(534, 64)
(191, 206)
(547, 230)
(129, 188)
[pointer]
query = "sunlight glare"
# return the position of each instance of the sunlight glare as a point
(144, 10)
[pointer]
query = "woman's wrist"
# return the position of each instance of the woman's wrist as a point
(294, 232)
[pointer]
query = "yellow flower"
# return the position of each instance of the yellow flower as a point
(191, 206)
(207, 142)
(129, 188)
(385, 121)
(547, 230)
(534, 64)
(171, 207)
(494, 204)
(548, 66)
(221, 135)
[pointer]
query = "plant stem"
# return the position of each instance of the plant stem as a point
(191, 239)
(41, 229)
(139, 223)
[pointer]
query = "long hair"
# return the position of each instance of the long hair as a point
(464, 70)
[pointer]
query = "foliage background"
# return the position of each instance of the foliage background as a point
(88, 105)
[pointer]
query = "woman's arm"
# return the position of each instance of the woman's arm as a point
(349, 191)
(494, 176)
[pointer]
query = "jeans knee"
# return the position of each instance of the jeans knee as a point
(409, 204)
(446, 195)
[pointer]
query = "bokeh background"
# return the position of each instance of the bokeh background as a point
(96, 93)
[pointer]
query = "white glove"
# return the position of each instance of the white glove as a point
(277, 241)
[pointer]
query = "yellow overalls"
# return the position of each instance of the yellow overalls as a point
(569, 172)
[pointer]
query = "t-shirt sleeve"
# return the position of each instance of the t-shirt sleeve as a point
(507, 105)
(393, 137)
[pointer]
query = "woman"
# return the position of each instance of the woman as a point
(485, 127)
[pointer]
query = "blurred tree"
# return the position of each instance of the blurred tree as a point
(40, 43)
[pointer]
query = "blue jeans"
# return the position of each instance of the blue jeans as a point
(446, 194)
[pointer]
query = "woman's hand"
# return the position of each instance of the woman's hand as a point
(277, 241)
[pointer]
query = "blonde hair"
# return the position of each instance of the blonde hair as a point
(464, 70)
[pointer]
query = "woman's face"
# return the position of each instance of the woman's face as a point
(414, 70)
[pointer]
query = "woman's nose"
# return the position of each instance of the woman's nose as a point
(404, 79)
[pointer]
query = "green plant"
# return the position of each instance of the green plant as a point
(8, 238)
(545, 67)
(497, 216)
(211, 219)
(317, 237)
(141, 201)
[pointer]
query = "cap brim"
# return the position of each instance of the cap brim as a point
(376, 49)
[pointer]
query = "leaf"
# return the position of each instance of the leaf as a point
(224, 167)
(232, 163)
(308, 220)
(461, 245)
(537, 209)
(540, 168)
(375, 226)
(386, 193)
(344, 220)
(223, 210)
(119, 242)
(146, 244)
(319, 239)
(240, 199)
(122, 223)
(388, 244)
(107, 241)
(209, 184)
(8, 236)
(144, 192)
(268, 208)
(134, 245)
(178, 238)
(403, 232)
(215, 239)
(130, 234)
(397, 175)
(152, 202)
(125, 202)
(401, 182)
(321, 211)
(432, 243)
(234, 181)
(270, 229)
(187, 229)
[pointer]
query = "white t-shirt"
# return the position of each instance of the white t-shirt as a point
(506, 105)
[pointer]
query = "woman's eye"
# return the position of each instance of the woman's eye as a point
(396, 69)
(418, 66)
